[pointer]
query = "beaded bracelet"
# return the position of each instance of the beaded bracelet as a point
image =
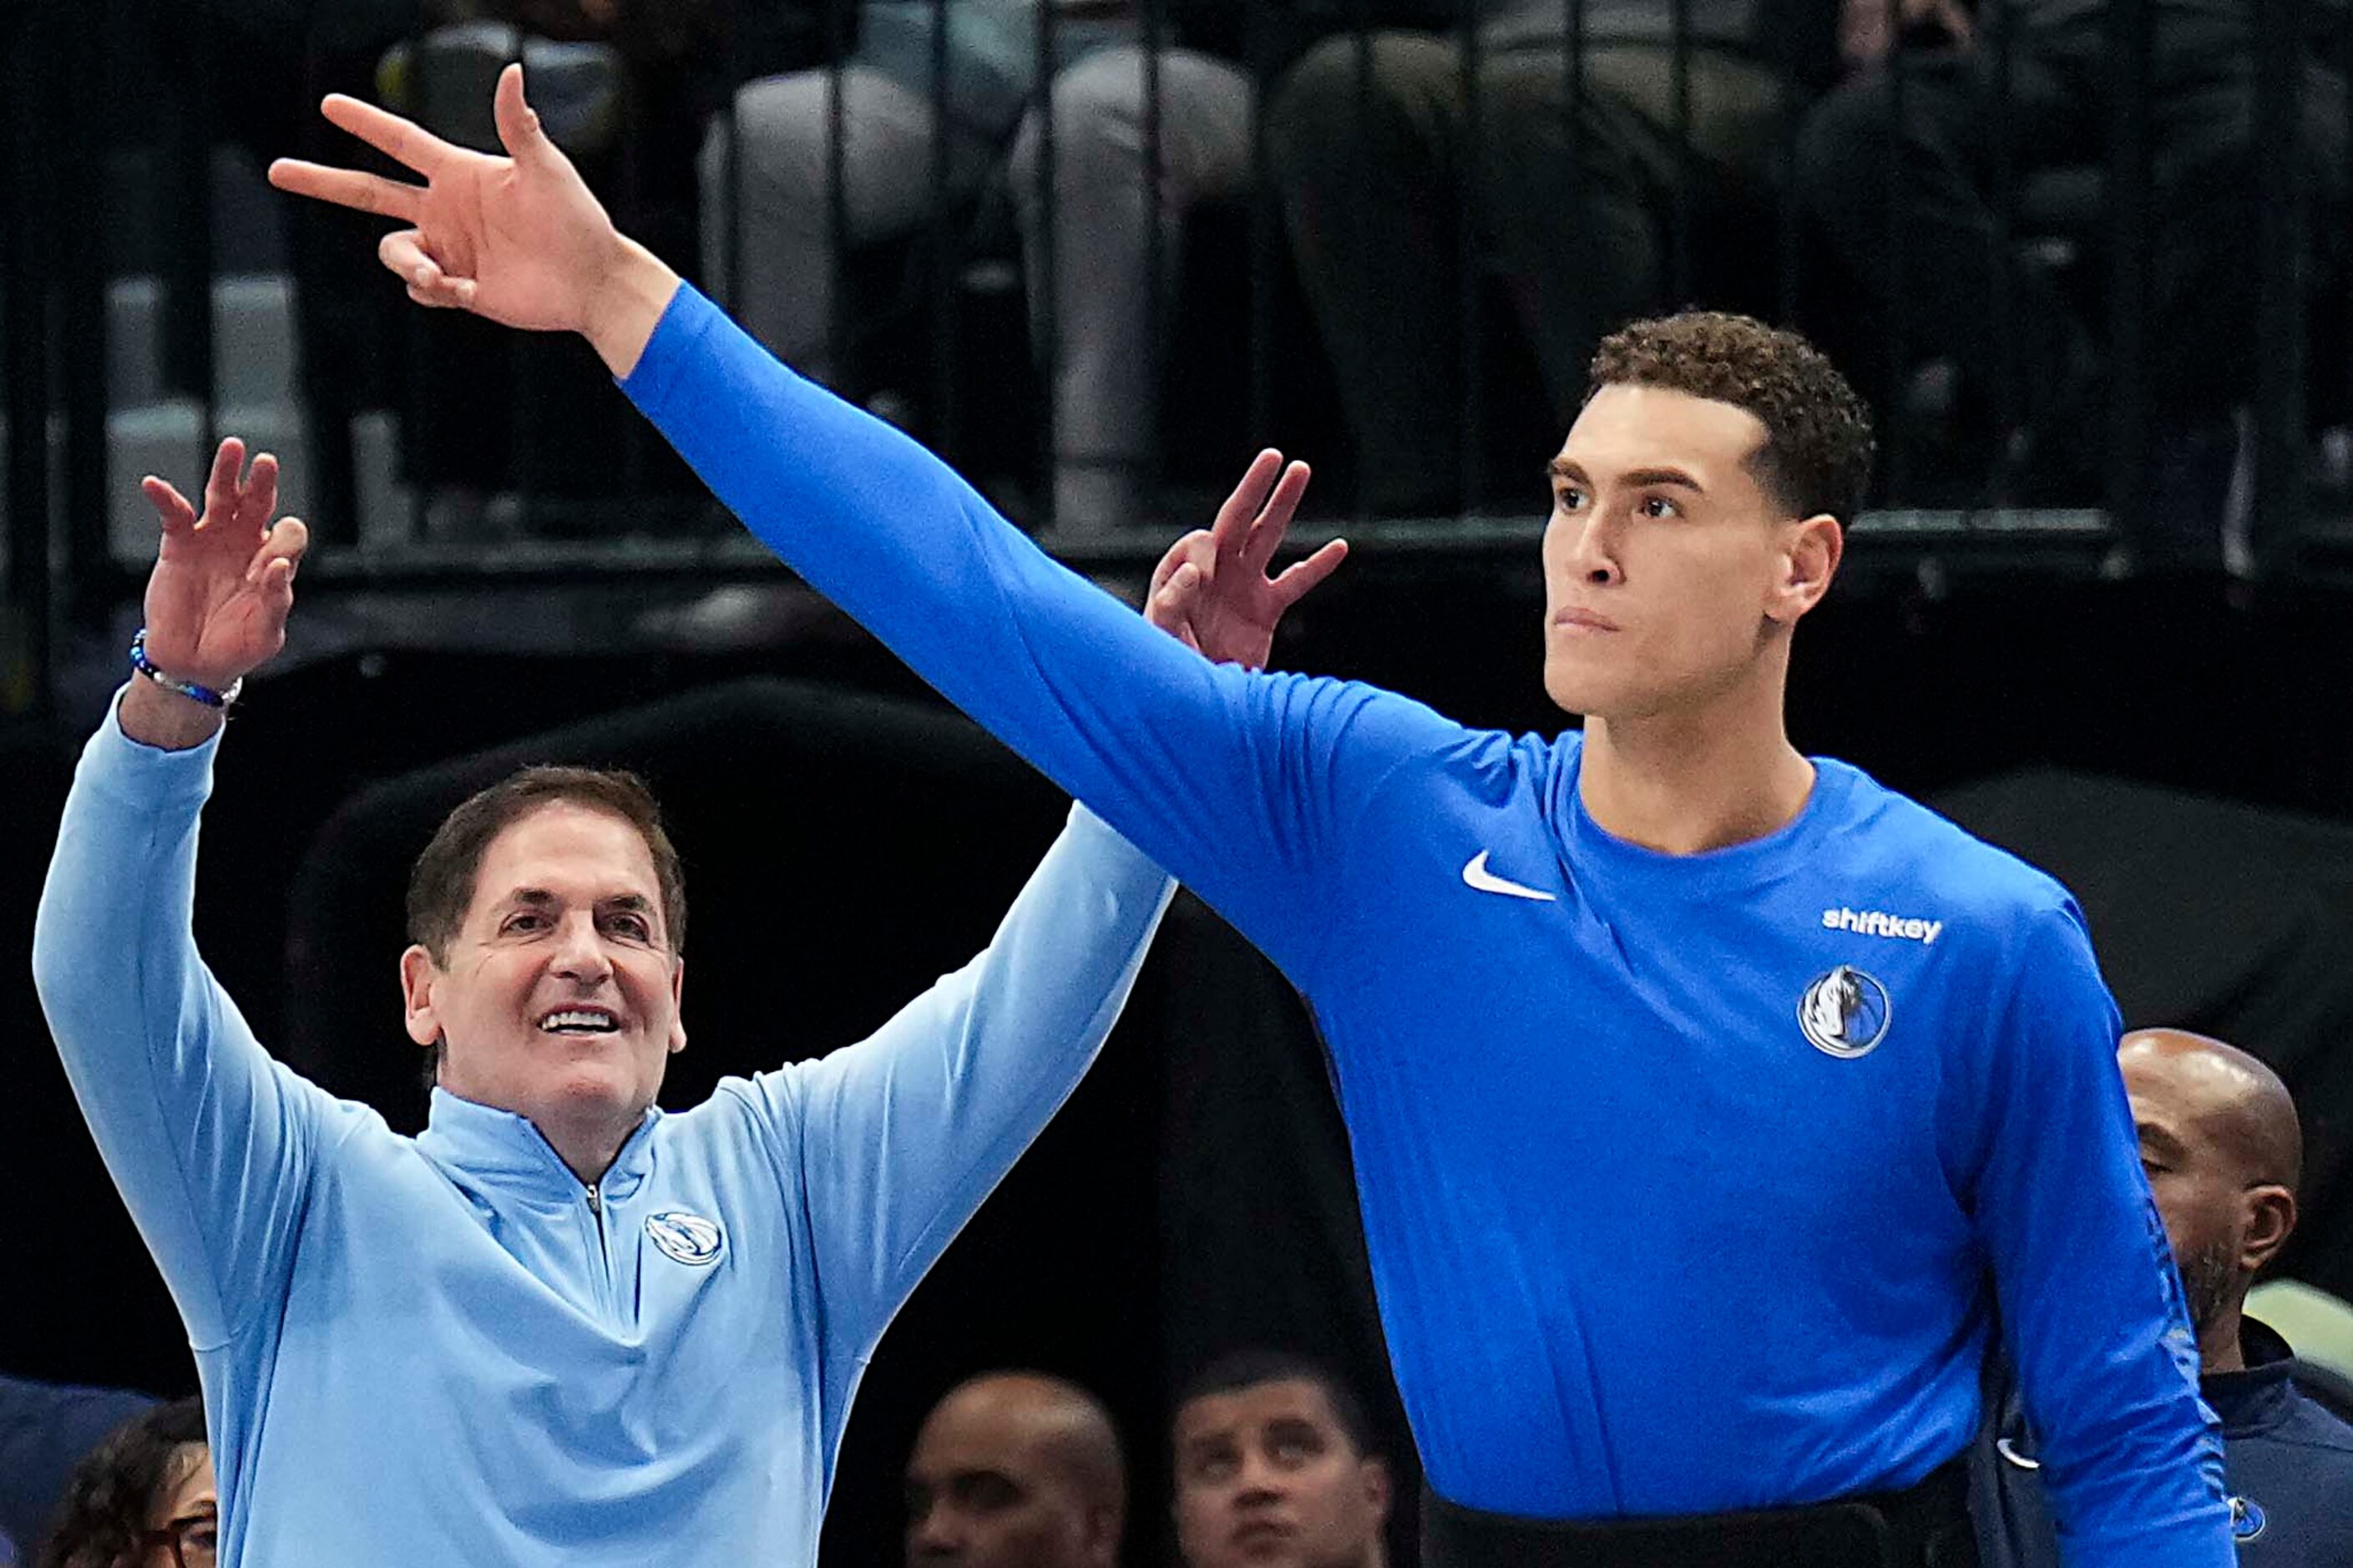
(187, 689)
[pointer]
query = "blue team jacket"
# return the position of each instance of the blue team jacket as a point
(1688, 1184)
(2287, 1462)
(445, 1350)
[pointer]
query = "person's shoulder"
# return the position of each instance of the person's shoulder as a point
(1888, 834)
(746, 1115)
(29, 1405)
(1405, 731)
(2313, 1425)
(1361, 702)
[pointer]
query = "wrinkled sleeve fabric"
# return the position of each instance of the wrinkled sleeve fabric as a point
(209, 1140)
(1244, 785)
(2091, 1304)
(896, 1141)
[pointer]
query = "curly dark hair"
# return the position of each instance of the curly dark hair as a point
(111, 1495)
(1818, 446)
(441, 884)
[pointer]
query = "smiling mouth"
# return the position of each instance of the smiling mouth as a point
(579, 1022)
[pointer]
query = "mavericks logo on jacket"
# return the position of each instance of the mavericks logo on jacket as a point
(1844, 1013)
(686, 1237)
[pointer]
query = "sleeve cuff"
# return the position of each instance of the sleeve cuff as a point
(130, 769)
(1101, 838)
(683, 322)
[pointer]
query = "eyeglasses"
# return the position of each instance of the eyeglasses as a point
(195, 1541)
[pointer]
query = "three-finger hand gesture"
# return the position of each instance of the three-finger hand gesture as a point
(518, 240)
(1212, 590)
(222, 584)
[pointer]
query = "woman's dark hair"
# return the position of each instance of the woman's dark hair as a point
(111, 1496)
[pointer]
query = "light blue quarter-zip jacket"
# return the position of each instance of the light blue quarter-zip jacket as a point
(446, 1350)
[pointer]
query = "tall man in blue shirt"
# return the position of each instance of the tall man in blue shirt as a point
(1705, 1098)
(561, 1326)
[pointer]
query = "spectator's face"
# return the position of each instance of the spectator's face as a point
(1667, 569)
(1266, 1477)
(2198, 1188)
(189, 1506)
(985, 1490)
(559, 1000)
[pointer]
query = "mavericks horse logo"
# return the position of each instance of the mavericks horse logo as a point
(686, 1237)
(1844, 1013)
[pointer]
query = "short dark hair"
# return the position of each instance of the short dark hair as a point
(1818, 443)
(112, 1494)
(441, 884)
(1247, 1368)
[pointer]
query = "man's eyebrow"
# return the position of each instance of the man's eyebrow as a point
(1562, 469)
(1664, 476)
(2158, 1138)
(540, 897)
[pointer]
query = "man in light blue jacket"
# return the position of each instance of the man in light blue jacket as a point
(560, 1326)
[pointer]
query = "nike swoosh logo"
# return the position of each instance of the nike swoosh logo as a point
(2002, 1446)
(1476, 875)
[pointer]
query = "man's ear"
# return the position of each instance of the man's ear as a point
(677, 1005)
(1104, 1522)
(1373, 1474)
(418, 973)
(1810, 560)
(2270, 1219)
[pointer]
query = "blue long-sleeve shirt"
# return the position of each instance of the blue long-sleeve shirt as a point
(1689, 1183)
(446, 1350)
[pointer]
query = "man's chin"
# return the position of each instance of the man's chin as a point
(1576, 691)
(591, 1084)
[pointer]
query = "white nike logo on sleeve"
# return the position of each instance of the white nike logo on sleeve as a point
(1475, 874)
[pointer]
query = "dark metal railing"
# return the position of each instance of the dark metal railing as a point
(54, 322)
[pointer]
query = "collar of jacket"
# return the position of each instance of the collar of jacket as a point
(2260, 1397)
(507, 1154)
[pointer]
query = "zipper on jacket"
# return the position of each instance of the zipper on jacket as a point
(603, 1249)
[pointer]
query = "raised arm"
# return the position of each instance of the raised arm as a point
(900, 1139)
(2090, 1300)
(1244, 785)
(206, 1137)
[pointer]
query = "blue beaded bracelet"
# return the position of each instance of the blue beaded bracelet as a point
(187, 689)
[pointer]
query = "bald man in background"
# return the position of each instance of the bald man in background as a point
(1016, 1469)
(2220, 1140)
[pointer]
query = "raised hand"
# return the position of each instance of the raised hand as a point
(222, 584)
(518, 240)
(1211, 590)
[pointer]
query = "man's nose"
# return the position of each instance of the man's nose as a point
(1596, 557)
(1261, 1481)
(936, 1536)
(580, 952)
(1586, 544)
